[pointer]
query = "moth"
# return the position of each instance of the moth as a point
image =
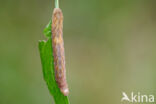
(58, 50)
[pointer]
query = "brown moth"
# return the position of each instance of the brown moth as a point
(58, 50)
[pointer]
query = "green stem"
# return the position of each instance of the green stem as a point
(56, 3)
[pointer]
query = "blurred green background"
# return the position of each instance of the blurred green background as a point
(110, 47)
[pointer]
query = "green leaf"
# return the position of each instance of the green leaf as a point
(47, 31)
(47, 60)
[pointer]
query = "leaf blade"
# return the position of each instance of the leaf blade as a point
(47, 60)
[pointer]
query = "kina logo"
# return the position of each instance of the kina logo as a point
(137, 97)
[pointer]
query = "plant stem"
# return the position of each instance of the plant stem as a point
(56, 3)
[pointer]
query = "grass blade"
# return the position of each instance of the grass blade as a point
(47, 60)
